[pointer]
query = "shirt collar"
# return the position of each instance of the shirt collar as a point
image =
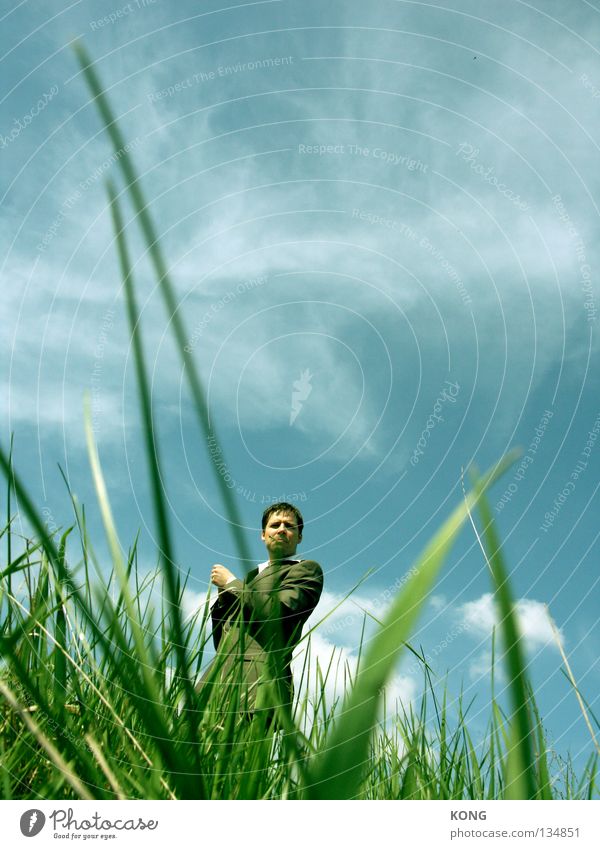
(292, 559)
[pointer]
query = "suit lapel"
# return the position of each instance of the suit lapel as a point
(269, 570)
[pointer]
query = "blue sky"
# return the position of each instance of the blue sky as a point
(382, 223)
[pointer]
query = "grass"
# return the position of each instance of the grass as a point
(97, 696)
(92, 703)
(116, 724)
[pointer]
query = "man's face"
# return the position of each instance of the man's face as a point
(281, 535)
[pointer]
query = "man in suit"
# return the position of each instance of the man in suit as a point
(257, 622)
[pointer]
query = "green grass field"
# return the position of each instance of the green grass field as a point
(93, 703)
(98, 662)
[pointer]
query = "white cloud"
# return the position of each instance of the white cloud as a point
(481, 616)
(481, 667)
(334, 646)
(345, 616)
(338, 665)
(193, 601)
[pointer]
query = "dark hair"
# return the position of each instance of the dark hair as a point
(283, 507)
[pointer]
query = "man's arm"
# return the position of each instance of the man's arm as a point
(226, 605)
(272, 596)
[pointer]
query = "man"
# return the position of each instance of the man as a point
(257, 622)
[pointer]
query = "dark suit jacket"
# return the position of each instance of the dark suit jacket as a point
(258, 622)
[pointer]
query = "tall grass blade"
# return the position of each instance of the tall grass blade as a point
(60, 667)
(543, 780)
(114, 647)
(9, 526)
(520, 762)
(338, 771)
(571, 679)
(50, 749)
(152, 454)
(145, 659)
(197, 390)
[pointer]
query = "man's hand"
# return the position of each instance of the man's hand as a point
(219, 576)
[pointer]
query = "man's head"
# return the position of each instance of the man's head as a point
(282, 526)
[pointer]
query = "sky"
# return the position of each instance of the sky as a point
(381, 223)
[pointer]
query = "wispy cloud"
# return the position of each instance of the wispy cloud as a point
(481, 617)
